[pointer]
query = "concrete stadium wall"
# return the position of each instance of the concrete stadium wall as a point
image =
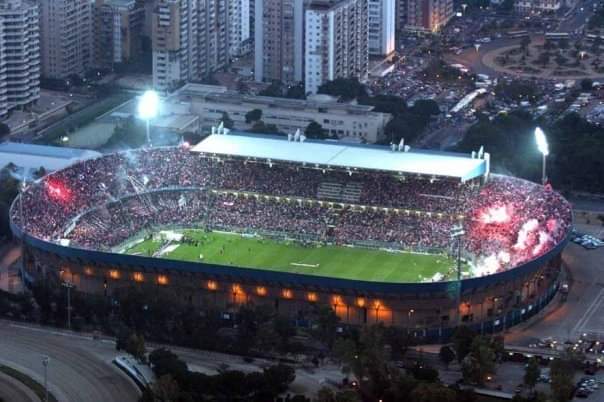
(427, 310)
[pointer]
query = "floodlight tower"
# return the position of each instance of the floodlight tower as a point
(543, 147)
(148, 108)
(457, 233)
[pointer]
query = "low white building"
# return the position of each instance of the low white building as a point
(340, 120)
(533, 6)
(32, 157)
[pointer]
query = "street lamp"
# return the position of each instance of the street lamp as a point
(148, 108)
(544, 149)
(457, 233)
(45, 361)
(68, 285)
(22, 189)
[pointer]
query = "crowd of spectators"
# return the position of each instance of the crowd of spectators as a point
(102, 202)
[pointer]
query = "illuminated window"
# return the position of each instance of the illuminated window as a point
(114, 274)
(138, 277)
(312, 297)
(162, 279)
(287, 294)
(261, 291)
(212, 285)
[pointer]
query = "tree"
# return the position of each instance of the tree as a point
(4, 130)
(549, 45)
(327, 322)
(136, 346)
(40, 172)
(562, 385)
(296, 92)
(426, 107)
(347, 396)
(446, 355)
(325, 394)
(426, 392)
(260, 127)
(227, 121)
(587, 84)
(596, 46)
(279, 377)
(344, 88)
(315, 130)
(345, 351)
(462, 341)
(253, 116)
(480, 362)
(524, 43)
(273, 90)
(165, 362)
(122, 337)
(165, 389)
(544, 58)
(532, 373)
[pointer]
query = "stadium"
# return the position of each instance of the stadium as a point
(418, 239)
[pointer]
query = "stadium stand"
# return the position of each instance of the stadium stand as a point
(100, 203)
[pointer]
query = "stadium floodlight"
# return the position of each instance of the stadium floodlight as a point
(543, 147)
(148, 108)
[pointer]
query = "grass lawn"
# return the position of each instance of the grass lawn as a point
(331, 261)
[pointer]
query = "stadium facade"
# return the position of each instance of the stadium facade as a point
(76, 241)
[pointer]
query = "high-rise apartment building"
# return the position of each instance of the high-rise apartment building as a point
(279, 40)
(336, 41)
(382, 15)
(118, 26)
(190, 40)
(239, 27)
(19, 54)
(66, 37)
(401, 14)
(213, 35)
(428, 15)
(174, 41)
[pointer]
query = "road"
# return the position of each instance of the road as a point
(472, 59)
(579, 17)
(11, 390)
(581, 311)
(79, 371)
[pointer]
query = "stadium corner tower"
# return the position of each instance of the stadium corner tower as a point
(416, 239)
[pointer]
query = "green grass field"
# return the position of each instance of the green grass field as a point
(330, 261)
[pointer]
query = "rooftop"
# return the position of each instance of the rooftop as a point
(218, 93)
(32, 156)
(347, 156)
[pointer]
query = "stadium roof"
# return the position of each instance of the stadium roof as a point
(30, 156)
(337, 154)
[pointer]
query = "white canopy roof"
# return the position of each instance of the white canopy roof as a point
(336, 154)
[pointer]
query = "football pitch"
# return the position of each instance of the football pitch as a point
(329, 261)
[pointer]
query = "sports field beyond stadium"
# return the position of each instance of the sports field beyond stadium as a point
(330, 261)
